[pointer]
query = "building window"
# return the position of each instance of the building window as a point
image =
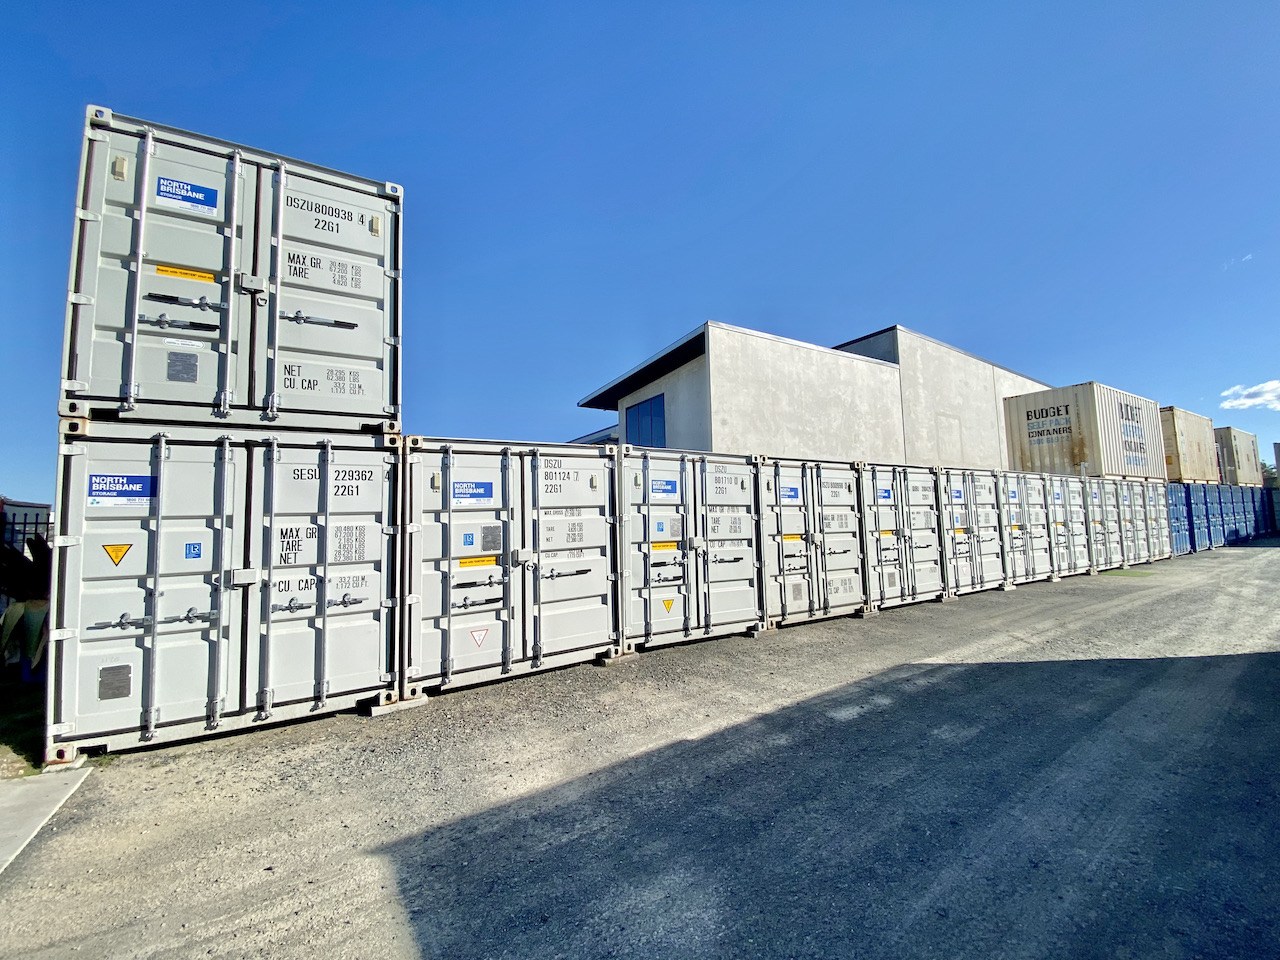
(647, 423)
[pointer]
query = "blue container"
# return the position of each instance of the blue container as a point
(1242, 527)
(1269, 500)
(1198, 523)
(1179, 519)
(1213, 510)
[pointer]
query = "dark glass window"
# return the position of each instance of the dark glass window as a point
(647, 423)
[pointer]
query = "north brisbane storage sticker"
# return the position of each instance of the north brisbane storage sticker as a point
(115, 490)
(186, 196)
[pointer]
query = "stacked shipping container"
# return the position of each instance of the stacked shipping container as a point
(225, 534)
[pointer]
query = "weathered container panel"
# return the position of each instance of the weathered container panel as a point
(1238, 454)
(1087, 429)
(1190, 451)
(220, 284)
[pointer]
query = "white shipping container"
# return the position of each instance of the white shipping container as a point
(1190, 452)
(216, 581)
(1238, 453)
(216, 283)
(1087, 429)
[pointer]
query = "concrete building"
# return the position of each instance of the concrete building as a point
(894, 396)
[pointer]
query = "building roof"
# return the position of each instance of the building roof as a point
(689, 347)
(898, 328)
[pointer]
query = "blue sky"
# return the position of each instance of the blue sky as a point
(1078, 192)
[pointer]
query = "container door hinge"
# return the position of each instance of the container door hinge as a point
(390, 601)
(66, 541)
(74, 386)
(412, 598)
(387, 677)
(389, 530)
(250, 284)
(246, 577)
(391, 408)
(81, 298)
(612, 577)
(393, 274)
(58, 729)
(88, 215)
(391, 458)
(56, 635)
(391, 341)
(613, 635)
(412, 528)
(69, 450)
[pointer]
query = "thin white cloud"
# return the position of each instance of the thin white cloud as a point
(1262, 395)
(1249, 257)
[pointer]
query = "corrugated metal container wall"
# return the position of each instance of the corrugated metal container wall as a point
(212, 581)
(811, 540)
(509, 558)
(216, 283)
(1238, 451)
(1180, 518)
(1088, 429)
(1190, 452)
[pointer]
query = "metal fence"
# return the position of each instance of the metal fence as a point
(16, 528)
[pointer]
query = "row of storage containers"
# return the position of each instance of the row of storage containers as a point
(210, 582)
(1208, 515)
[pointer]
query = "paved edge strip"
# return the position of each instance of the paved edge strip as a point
(26, 804)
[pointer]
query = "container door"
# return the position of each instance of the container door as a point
(728, 590)
(459, 560)
(971, 530)
(791, 591)
(155, 315)
(885, 520)
(1217, 519)
(146, 625)
(657, 571)
(330, 321)
(925, 544)
(1015, 528)
(1039, 553)
(325, 625)
(838, 543)
(571, 515)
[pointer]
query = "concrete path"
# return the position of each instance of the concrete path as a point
(26, 804)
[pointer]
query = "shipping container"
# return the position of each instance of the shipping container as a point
(1179, 519)
(509, 559)
(1068, 525)
(811, 539)
(1085, 430)
(1198, 518)
(1025, 526)
(903, 545)
(973, 552)
(689, 549)
(214, 581)
(214, 283)
(1159, 534)
(1190, 450)
(1238, 454)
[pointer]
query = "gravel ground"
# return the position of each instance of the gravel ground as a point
(1080, 769)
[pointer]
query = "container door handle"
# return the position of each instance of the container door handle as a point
(300, 317)
(164, 322)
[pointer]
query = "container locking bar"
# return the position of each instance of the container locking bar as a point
(265, 692)
(347, 601)
(200, 303)
(233, 215)
(293, 606)
(216, 701)
(153, 707)
(135, 297)
(277, 288)
(124, 621)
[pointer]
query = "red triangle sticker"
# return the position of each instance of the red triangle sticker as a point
(479, 635)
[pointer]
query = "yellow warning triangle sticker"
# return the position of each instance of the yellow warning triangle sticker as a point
(665, 603)
(116, 551)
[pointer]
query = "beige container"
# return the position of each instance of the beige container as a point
(1087, 430)
(1190, 450)
(1238, 454)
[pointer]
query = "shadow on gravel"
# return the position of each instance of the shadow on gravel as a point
(1113, 808)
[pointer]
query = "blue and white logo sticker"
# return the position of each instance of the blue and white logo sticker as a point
(664, 490)
(1013, 494)
(789, 494)
(661, 526)
(473, 493)
(193, 551)
(113, 490)
(957, 494)
(1057, 496)
(884, 493)
(468, 539)
(186, 196)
